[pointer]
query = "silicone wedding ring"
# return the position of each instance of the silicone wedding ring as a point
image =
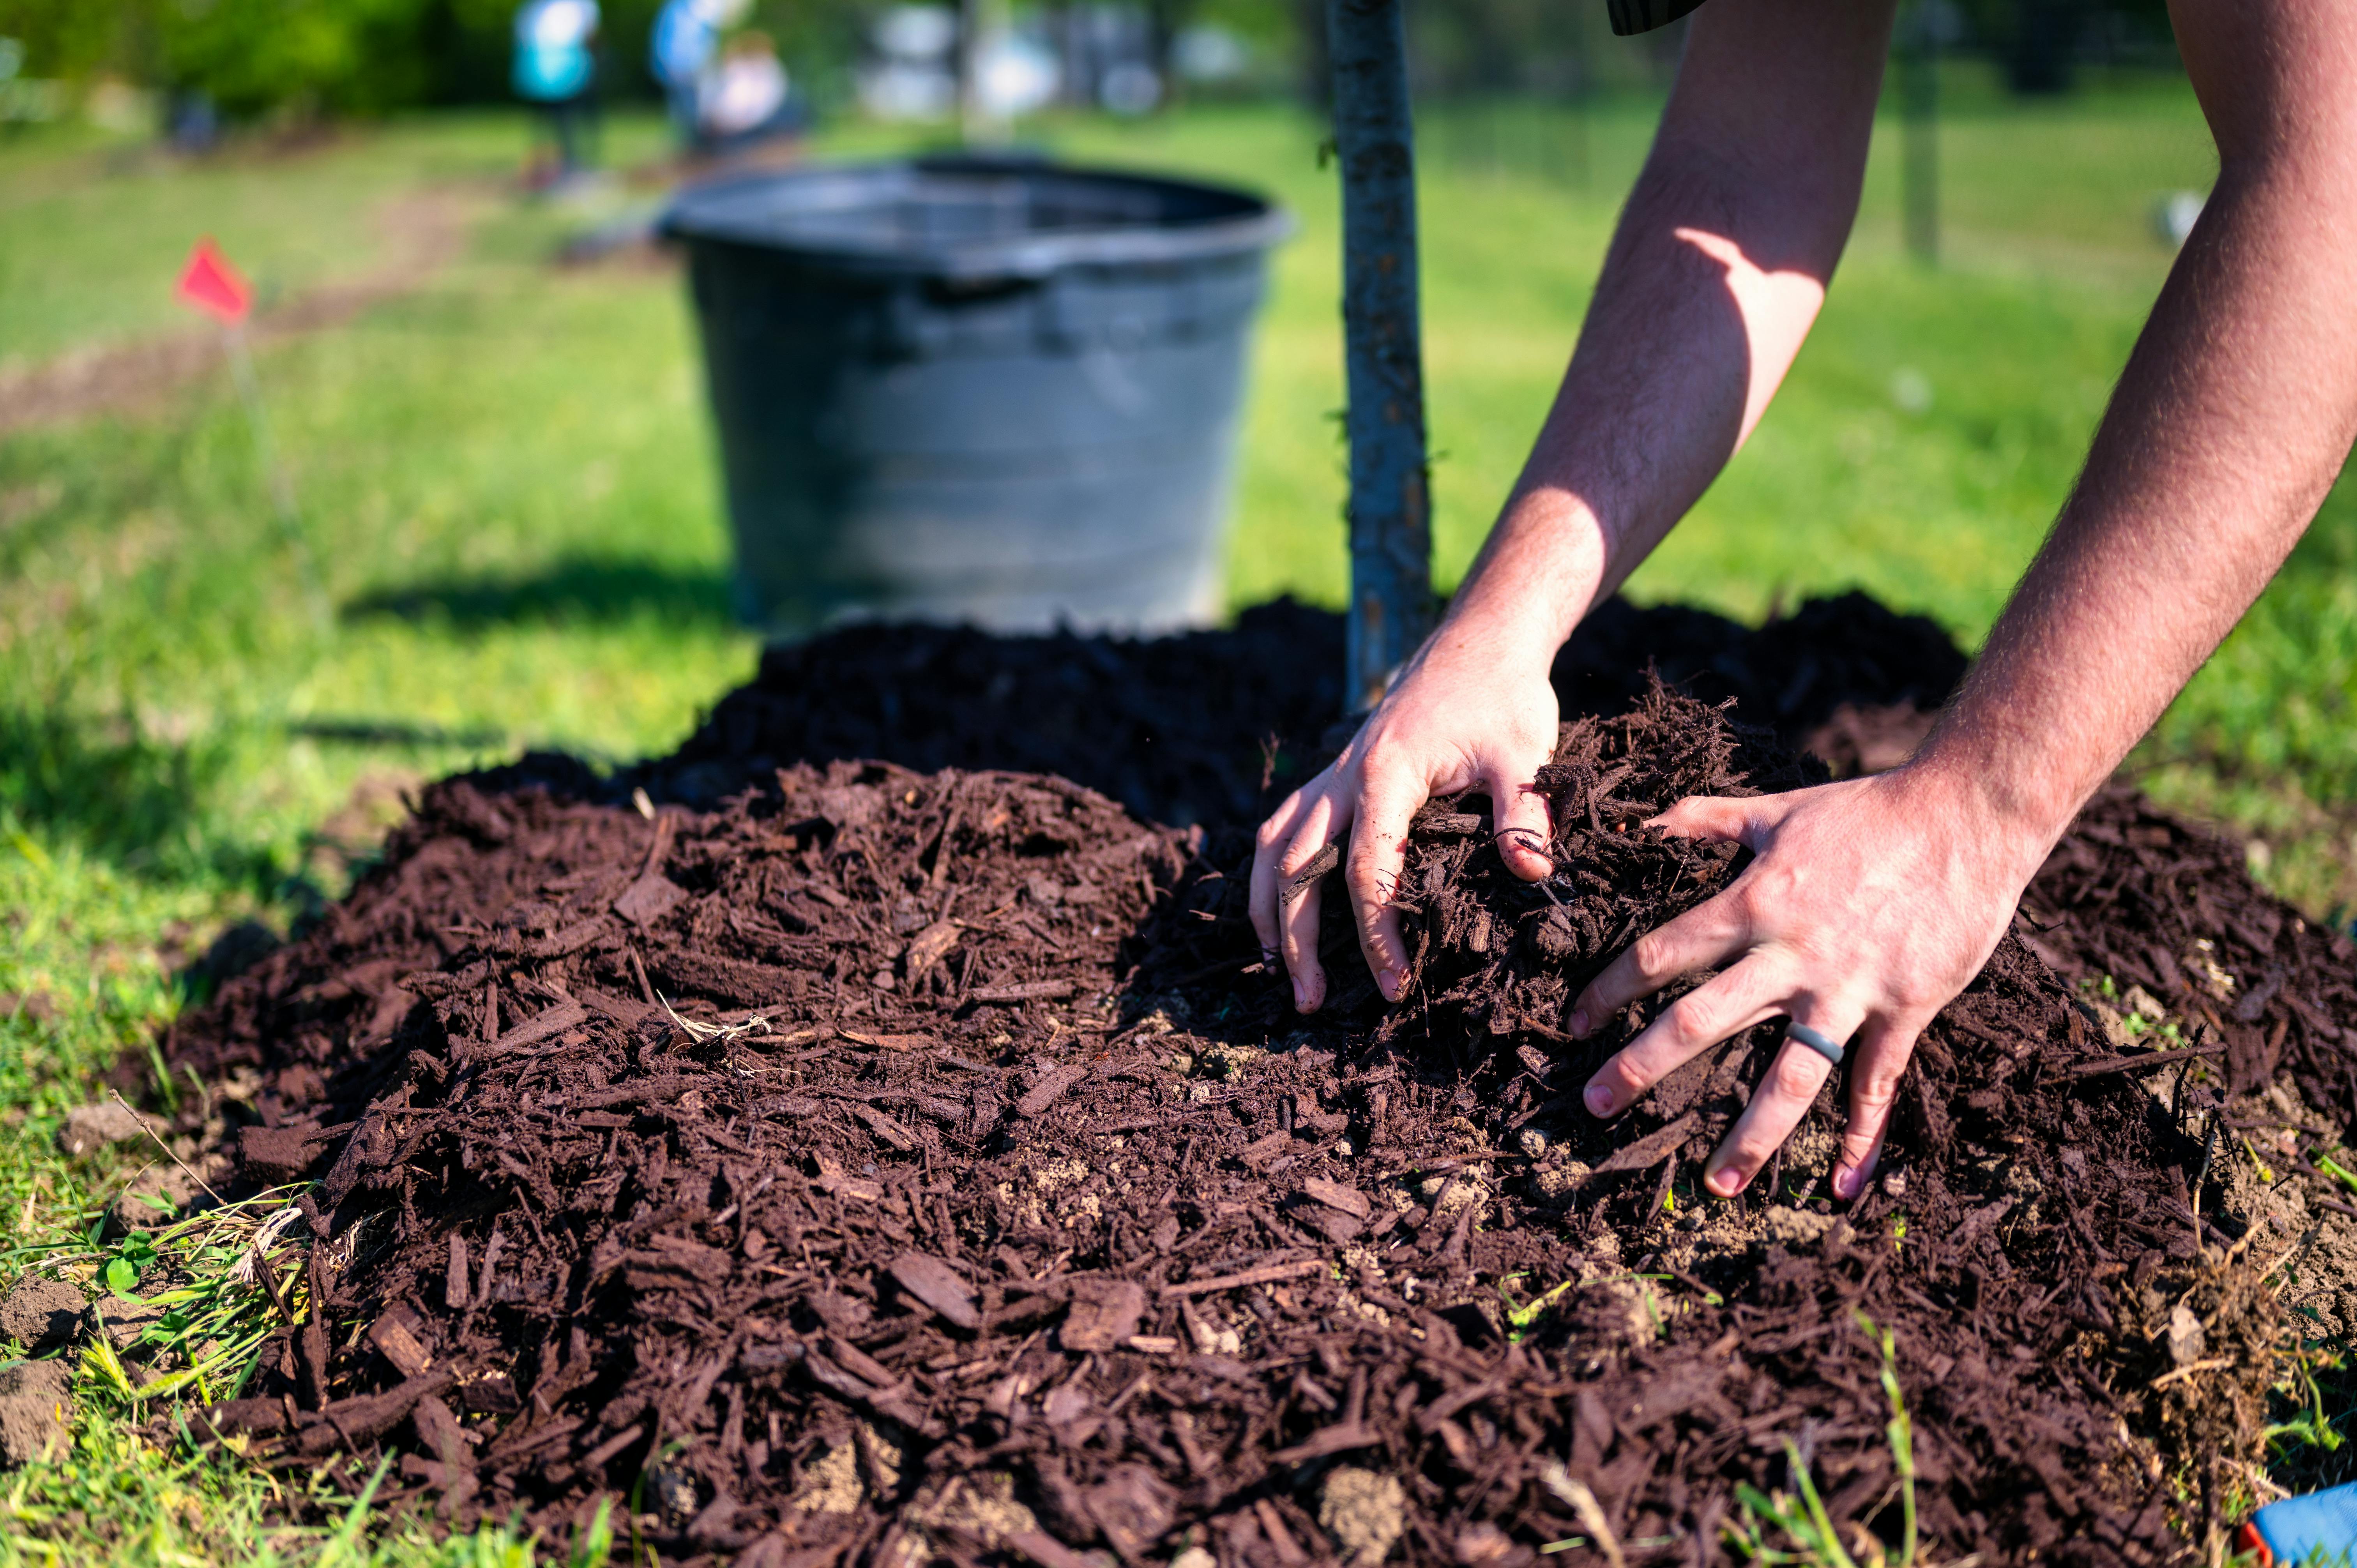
(1817, 1040)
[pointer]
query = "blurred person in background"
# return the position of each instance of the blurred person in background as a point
(556, 69)
(683, 53)
(747, 99)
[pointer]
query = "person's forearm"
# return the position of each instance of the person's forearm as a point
(1681, 350)
(2234, 417)
(1714, 275)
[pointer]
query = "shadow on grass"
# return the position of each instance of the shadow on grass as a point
(138, 802)
(399, 734)
(579, 590)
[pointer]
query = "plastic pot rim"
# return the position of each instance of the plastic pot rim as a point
(971, 263)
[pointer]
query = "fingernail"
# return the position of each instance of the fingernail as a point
(1725, 1181)
(1300, 995)
(1390, 983)
(1600, 1099)
(1578, 1024)
(1846, 1182)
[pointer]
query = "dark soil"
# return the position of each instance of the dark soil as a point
(875, 1160)
(1195, 728)
(2136, 895)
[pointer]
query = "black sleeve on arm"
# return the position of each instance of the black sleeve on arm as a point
(1632, 17)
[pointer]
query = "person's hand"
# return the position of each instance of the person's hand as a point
(1460, 716)
(1870, 905)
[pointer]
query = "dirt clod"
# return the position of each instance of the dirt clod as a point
(150, 1200)
(33, 1407)
(1365, 1513)
(39, 1313)
(88, 1128)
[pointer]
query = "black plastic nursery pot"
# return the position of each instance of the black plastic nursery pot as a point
(965, 389)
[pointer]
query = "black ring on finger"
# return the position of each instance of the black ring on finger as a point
(1817, 1040)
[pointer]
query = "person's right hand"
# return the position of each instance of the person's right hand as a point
(1460, 716)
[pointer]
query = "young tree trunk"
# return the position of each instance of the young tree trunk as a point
(1919, 106)
(1390, 508)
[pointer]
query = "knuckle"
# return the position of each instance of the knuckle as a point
(1747, 904)
(1773, 884)
(1626, 1075)
(1911, 995)
(1380, 765)
(1650, 955)
(1876, 1092)
(1692, 1020)
(1798, 1074)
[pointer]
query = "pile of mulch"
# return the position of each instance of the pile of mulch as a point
(2139, 897)
(1199, 727)
(864, 1163)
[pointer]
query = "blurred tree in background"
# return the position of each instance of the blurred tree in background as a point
(2041, 44)
(68, 38)
(291, 60)
(306, 56)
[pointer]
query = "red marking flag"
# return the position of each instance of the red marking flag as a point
(210, 284)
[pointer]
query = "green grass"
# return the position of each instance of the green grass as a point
(506, 488)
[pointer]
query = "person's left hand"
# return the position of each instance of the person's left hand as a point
(1870, 905)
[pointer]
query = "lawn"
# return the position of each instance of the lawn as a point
(508, 536)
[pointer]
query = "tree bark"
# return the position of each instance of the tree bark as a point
(1390, 506)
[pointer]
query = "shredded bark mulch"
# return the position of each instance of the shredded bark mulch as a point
(1196, 728)
(873, 1155)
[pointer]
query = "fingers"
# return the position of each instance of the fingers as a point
(1719, 817)
(1703, 938)
(1325, 819)
(1751, 992)
(1377, 857)
(1518, 813)
(1288, 843)
(1781, 1098)
(1882, 1052)
(1270, 843)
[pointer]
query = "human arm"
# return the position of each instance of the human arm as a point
(1715, 274)
(1872, 903)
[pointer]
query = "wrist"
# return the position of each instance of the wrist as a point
(2008, 809)
(1537, 575)
(1515, 637)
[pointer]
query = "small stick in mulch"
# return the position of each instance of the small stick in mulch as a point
(143, 1127)
(1319, 866)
